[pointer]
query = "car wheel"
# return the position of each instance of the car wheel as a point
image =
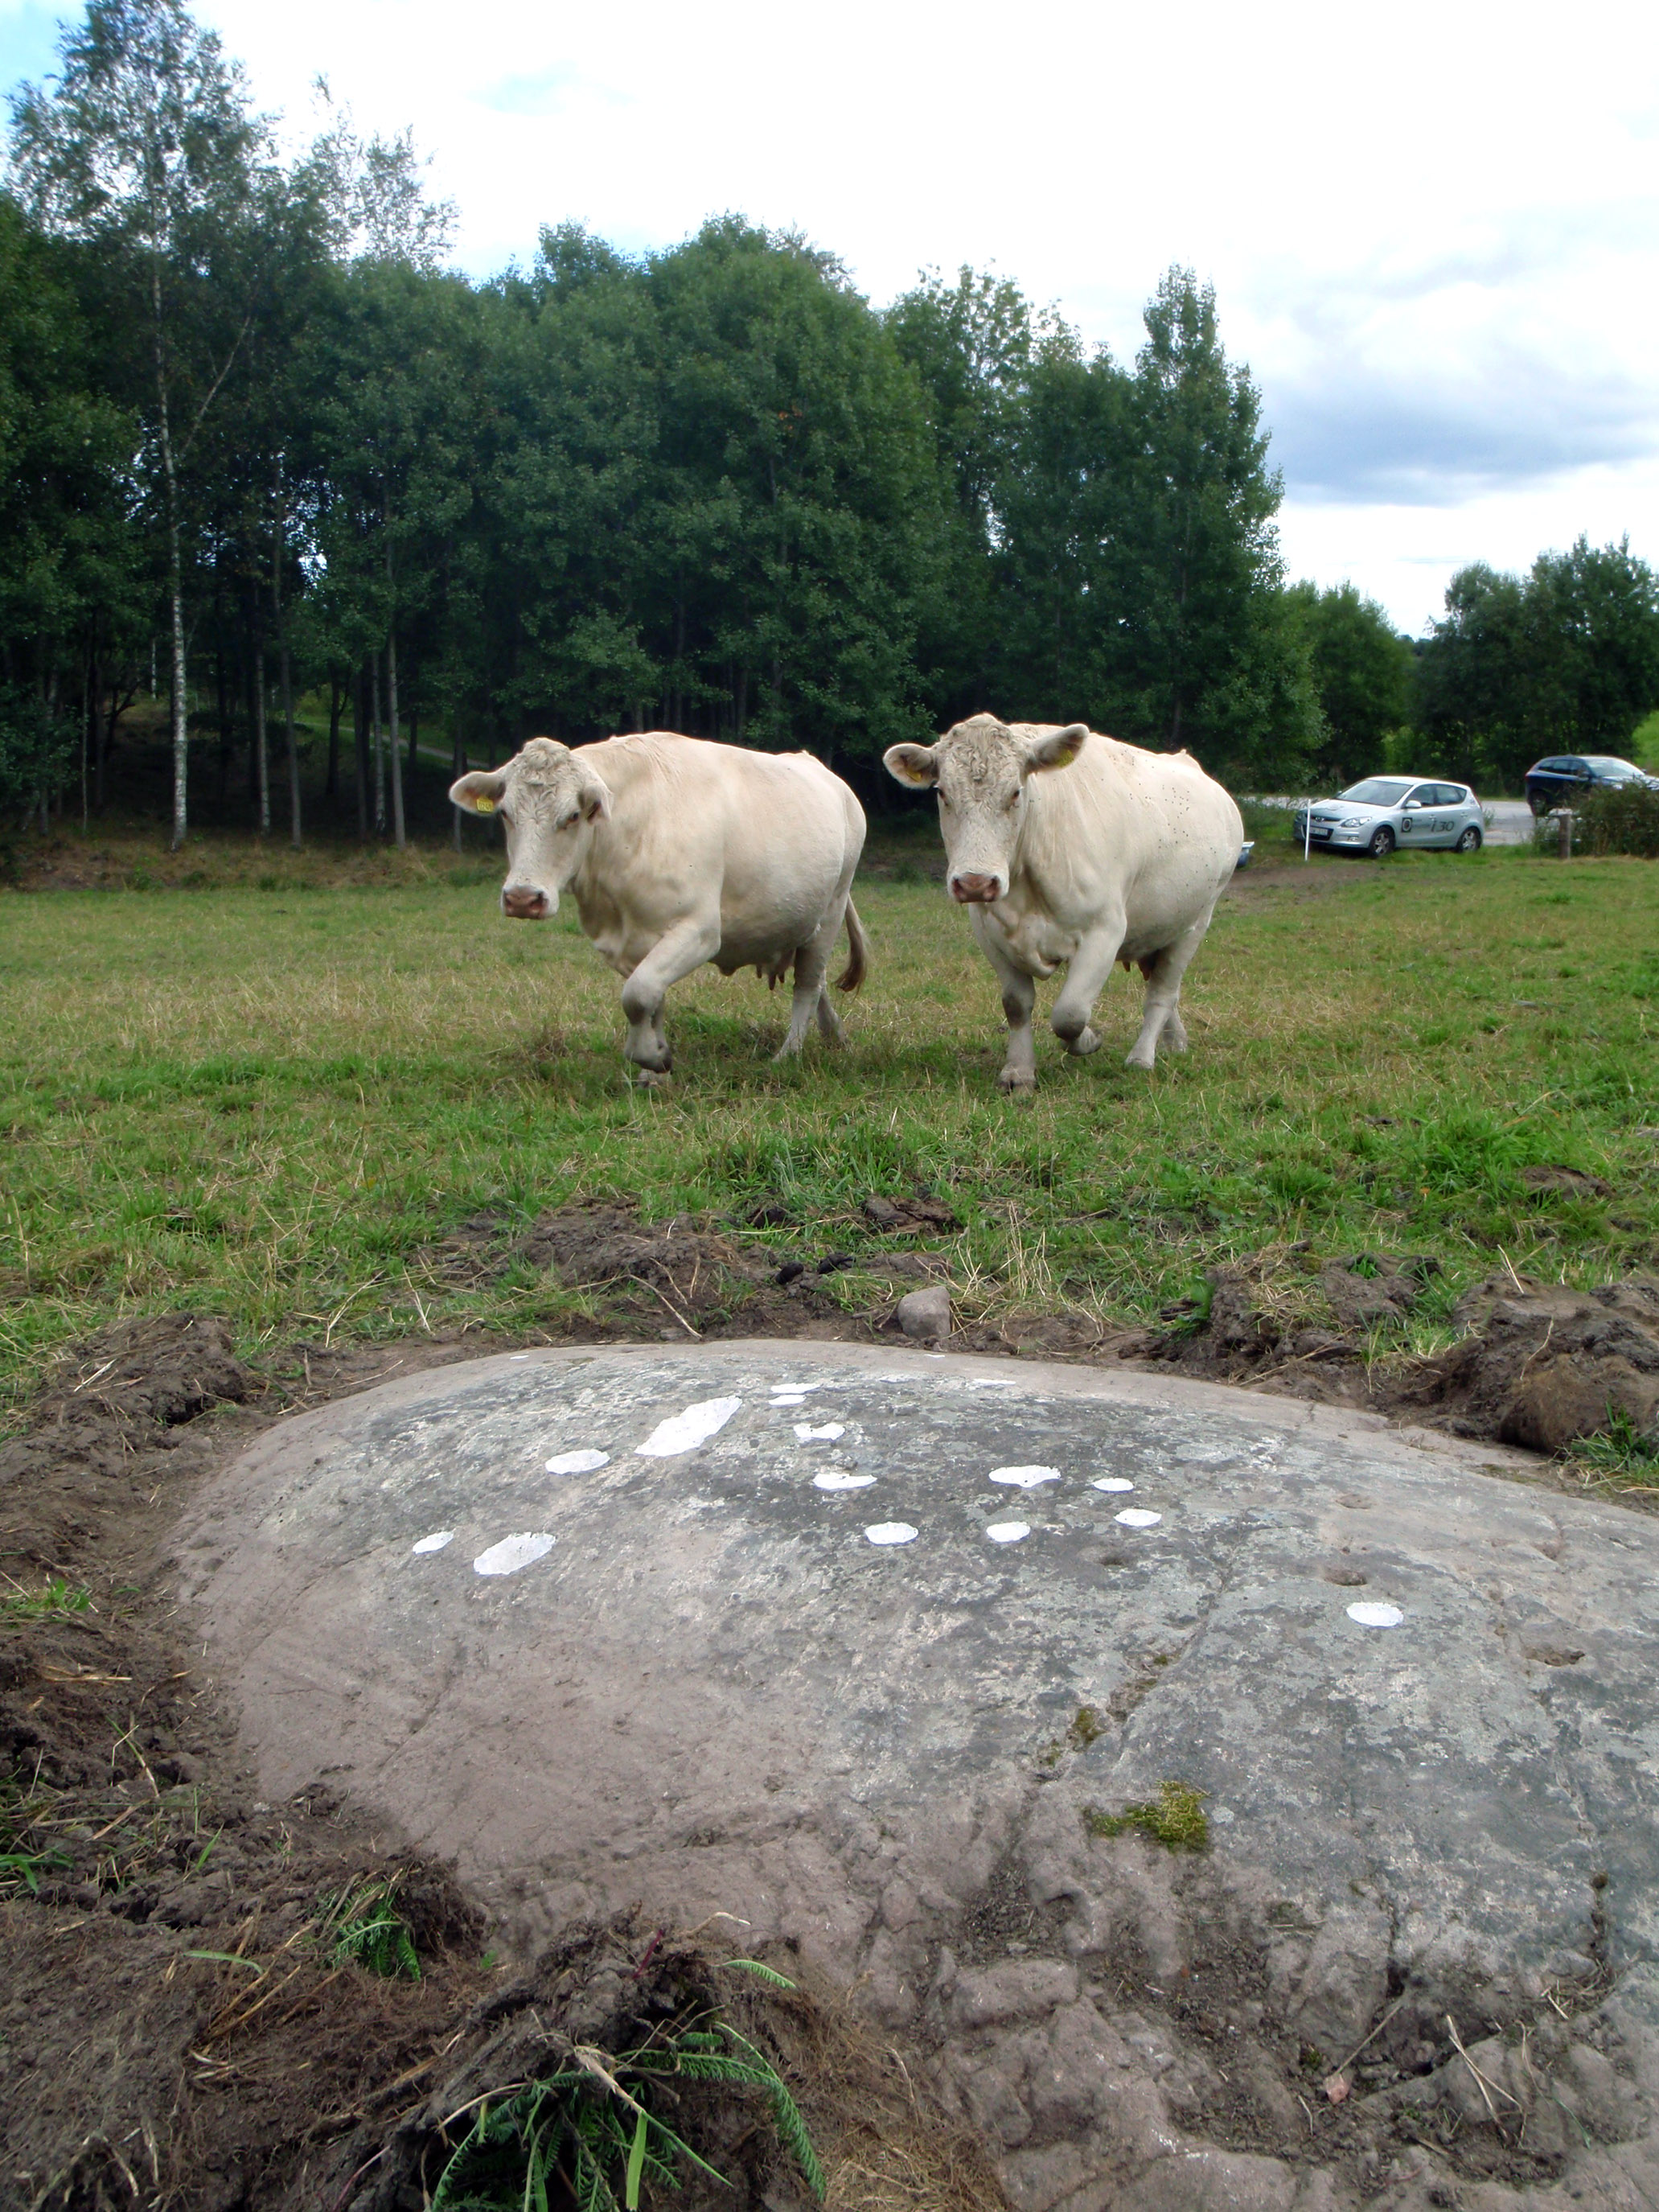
(1382, 844)
(1471, 840)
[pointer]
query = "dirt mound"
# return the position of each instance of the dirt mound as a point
(1543, 1366)
(1536, 1364)
(616, 2019)
(693, 1276)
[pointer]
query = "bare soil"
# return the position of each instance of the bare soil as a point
(1533, 1364)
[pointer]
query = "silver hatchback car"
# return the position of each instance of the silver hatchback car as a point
(1390, 811)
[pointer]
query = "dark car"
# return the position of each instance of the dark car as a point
(1566, 776)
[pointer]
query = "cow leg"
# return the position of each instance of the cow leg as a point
(1018, 1003)
(811, 996)
(1163, 973)
(1085, 976)
(812, 961)
(675, 953)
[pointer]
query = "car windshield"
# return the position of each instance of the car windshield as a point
(1376, 791)
(1603, 764)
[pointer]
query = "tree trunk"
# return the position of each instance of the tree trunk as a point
(283, 666)
(175, 575)
(331, 789)
(261, 746)
(394, 753)
(378, 734)
(359, 751)
(391, 694)
(224, 724)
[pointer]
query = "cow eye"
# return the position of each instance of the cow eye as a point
(567, 820)
(1011, 801)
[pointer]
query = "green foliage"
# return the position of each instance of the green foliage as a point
(1174, 1818)
(25, 1869)
(56, 1599)
(1564, 659)
(595, 2125)
(1363, 672)
(361, 1925)
(1616, 818)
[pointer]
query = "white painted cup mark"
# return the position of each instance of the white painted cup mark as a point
(578, 1462)
(1137, 1517)
(514, 1553)
(1112, 1482)
(789, 1398)
(435, 1542)
(839, 1478)
(1373, 1614)
(826, 1434)
(1025, 1478)
(683, 1432)
(1009, 1532)
(892, 1531)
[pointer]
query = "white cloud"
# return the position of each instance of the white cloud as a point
(1434, 229)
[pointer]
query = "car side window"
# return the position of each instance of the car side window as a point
(1450, 794)
(1422, 793)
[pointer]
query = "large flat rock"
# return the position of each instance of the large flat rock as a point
(851, 1645)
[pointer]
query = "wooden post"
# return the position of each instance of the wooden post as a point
(1563, 832)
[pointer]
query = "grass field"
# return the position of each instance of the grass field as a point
(265, 1103)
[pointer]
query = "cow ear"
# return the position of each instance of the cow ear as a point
(1058, 750)
(916, 765)
(481, 793)
(593, 796)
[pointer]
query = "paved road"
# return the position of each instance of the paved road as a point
(1510, 822)
(849, 1643)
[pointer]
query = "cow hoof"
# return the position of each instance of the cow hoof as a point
(1137, 1059)
(1018, 1081)
(1084, 1042)
(652, 1078)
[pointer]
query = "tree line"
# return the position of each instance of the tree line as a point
(259, 444)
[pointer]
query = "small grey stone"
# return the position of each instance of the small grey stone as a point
(926, 1315)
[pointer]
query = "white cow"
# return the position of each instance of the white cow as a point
(1120, 858)
(678, 851)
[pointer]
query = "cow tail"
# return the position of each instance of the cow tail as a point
(858, 952)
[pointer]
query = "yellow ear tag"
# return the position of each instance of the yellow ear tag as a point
(484, 805)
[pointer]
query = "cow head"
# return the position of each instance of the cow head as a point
(980, 770)
(549, 801)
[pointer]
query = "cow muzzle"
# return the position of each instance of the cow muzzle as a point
(526, 903)
(974, 890)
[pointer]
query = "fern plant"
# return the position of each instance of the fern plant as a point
(363, 1926)
(591, 2126)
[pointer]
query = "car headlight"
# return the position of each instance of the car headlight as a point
(1353, 822)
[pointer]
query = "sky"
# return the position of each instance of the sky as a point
(1434, 229)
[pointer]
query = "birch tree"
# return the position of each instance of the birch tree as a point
(145, 147)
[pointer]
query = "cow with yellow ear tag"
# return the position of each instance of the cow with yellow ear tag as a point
(1072, 850)
(678, 851)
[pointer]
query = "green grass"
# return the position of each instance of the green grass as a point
(267, 1104)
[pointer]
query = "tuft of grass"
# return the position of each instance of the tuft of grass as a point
(1619, 1455)
(1174, 1818)
(24, 1870)
(361, 1925)
(59, 1598)
(593, 2131)
(1086, 1728)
